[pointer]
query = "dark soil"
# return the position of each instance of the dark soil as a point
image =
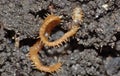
(93, 51)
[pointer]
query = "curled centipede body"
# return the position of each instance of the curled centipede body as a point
(45, 30)
(50, 22)
(34, 57)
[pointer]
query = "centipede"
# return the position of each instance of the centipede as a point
(50, 22)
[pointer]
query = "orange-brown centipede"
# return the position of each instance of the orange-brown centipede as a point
(45, 30)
